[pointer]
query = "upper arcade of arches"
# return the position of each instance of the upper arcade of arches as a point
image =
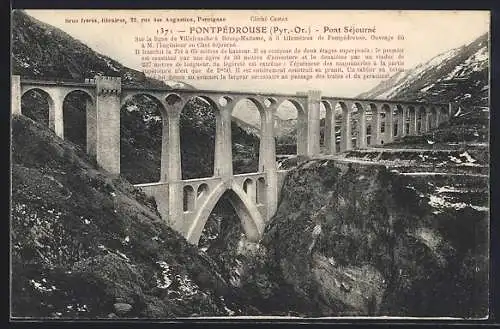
(58, 93)
(183, 95)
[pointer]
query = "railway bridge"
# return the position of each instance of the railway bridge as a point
(186, 204)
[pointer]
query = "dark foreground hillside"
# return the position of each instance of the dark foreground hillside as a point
(87, 245)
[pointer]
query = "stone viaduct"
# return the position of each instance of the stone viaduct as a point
(186, 204)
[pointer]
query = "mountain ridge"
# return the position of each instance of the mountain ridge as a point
(457, 75)
(41, 50)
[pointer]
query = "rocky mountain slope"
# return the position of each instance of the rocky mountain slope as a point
(87, 245)
(251, 129)
(40, 50)
(458, 75)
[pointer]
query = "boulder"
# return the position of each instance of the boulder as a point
(122, 308)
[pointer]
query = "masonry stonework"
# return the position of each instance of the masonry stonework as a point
(255, 195)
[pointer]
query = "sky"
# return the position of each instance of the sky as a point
(427, 34)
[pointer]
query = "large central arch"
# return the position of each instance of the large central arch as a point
(251, 219)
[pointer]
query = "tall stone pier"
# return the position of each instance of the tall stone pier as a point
(313, 122)
(108, 123)
(15, 101)
(267, 158)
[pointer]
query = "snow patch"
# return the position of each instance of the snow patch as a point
(448, 189)
(132, 108)
(454, 159)
(467, 156)
(440, 203)
(109, 63)
(42, 286)
(480, 208)
(164, 282)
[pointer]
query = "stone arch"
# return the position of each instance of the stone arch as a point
(412, 120)
(399, 127)
(385, 128)
(327, 128)
(254, 101)
(143, 137)
(270, 101)
(285, 143)
(342, 114)
(373, 124)
(251, 111)
(433, 118)
(295, 103)
(358, 119)
(40, 107)
(79, 119)
(224, 100)
(198, 159)
(251, 219)
(388, 111)
(172, 99)
(202, 190)
(188, 198)
(249, 188)
(80, 90)
(129, 96)
(208, 100)
(421, 113)
(427, 118)
(261, 191)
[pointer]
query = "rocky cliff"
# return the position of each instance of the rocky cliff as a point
(356, 239)
(87, 245)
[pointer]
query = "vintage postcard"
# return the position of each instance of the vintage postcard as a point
(255, 164)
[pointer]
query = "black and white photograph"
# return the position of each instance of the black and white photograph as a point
(249, 164)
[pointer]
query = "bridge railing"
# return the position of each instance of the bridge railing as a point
(251, 175)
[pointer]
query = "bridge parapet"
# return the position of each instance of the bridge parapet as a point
(108, 85)
(195, 192)
(254, 185)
